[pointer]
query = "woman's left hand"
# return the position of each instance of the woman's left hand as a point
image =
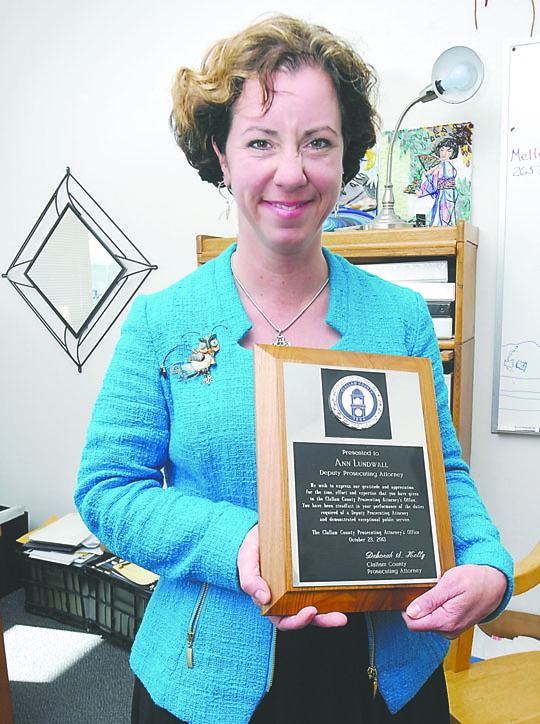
(463, 596)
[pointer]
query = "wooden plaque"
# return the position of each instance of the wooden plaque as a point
(353, 507)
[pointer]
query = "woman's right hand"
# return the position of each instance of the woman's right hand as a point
(251, 582)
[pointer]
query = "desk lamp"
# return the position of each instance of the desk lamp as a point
(457, 75)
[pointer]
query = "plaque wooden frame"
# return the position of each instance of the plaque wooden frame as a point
(273, 484)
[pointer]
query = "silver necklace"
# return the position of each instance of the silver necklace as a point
(280, 340)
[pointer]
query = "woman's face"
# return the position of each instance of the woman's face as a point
(284, 164)
(445, 153)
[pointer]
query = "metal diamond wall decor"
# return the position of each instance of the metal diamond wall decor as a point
(77, 270)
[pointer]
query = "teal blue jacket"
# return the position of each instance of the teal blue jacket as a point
(200, 439)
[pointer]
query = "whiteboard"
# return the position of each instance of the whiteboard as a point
(516, 379)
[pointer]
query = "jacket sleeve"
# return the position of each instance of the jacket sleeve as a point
(476, 539)
(121, 494)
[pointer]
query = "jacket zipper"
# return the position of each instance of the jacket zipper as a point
(193, 625)
(372, 669)
(272, 660)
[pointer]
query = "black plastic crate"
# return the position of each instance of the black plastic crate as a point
(86, 596)
(54, 590)
(116, 606)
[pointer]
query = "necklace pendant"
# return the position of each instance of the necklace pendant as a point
(280, 341)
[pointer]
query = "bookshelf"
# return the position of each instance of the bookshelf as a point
(458, 245)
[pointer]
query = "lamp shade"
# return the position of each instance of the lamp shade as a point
(457, 74)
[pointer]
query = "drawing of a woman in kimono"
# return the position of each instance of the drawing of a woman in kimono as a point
(439, 182)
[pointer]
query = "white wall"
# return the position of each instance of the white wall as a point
(87, 85)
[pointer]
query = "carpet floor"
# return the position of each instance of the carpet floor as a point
(60, 674)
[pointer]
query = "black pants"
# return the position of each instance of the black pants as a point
(321, 678)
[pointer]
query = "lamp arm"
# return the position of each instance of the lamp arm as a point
(428, 94)
(387, 217)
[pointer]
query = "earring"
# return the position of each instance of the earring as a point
(228, 199)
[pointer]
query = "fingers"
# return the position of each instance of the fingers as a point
(329, 620)
(429, 602)
(300, 620)
(251, 582)
(249, 573)
(464, 595)
(445, 608)
(307, 616)
(439, 622)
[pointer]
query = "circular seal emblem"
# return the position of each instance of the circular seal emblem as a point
(356, 402)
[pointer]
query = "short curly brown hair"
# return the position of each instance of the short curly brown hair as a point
(203, 101)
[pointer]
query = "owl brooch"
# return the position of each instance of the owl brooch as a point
(197, 362)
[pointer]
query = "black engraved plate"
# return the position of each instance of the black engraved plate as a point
(362, 514)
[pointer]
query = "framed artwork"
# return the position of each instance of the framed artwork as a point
(431, 173)
(361, 192)
(357, 203)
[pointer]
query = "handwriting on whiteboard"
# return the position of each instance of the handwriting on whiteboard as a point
(519, 158)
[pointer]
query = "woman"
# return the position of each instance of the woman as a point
(439, 182)
(281, 114)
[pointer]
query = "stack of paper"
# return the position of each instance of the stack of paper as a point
(419, 271)
(428, 278)
(432, 291)
(66, 540)
(68, 532)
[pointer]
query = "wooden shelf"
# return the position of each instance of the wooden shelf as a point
(458, 244)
